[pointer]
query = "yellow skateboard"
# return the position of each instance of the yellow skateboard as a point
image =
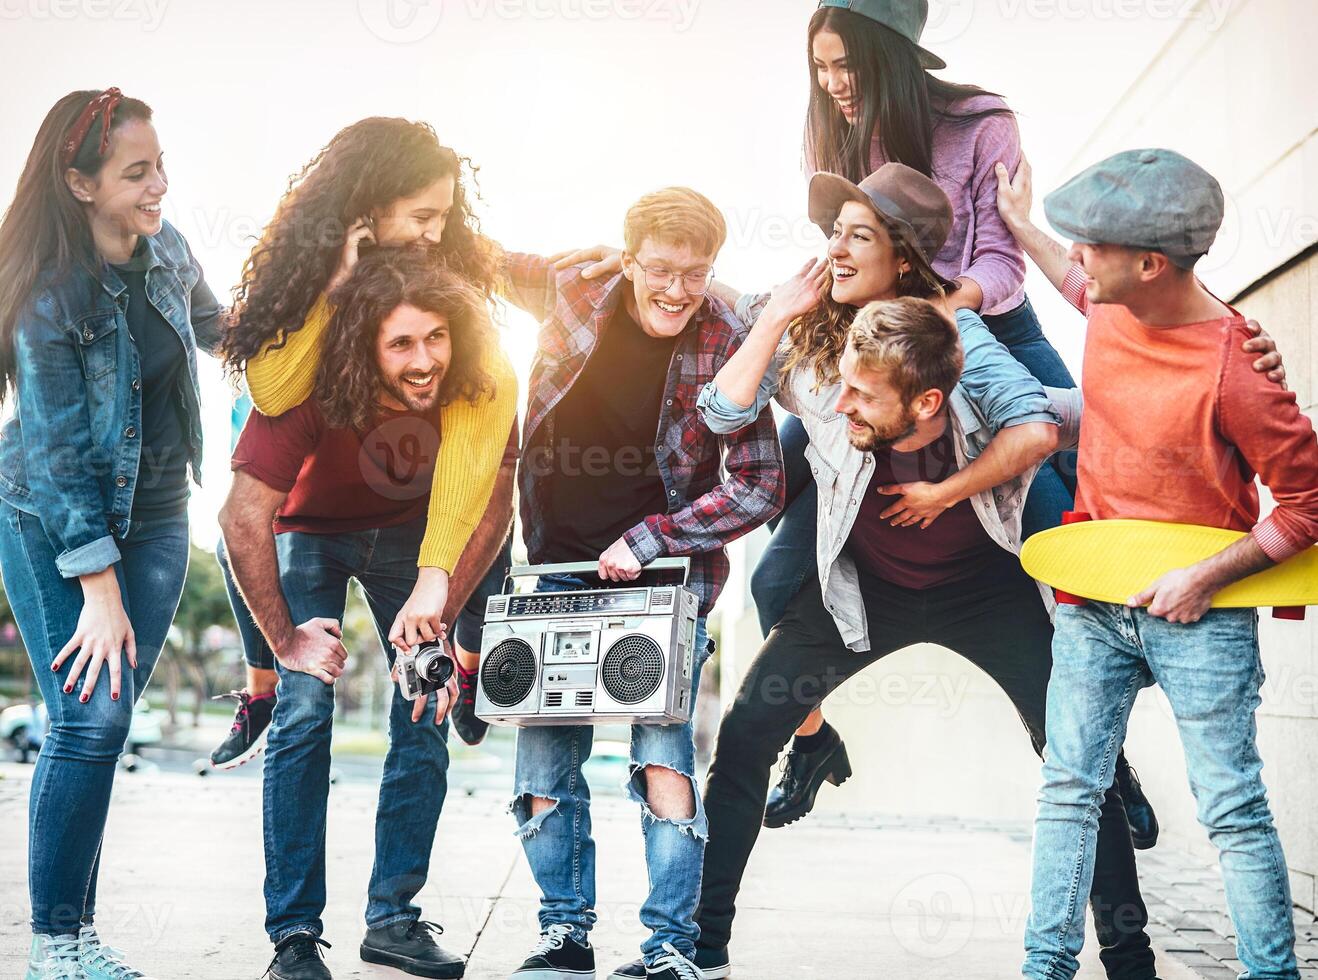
(1110, 561)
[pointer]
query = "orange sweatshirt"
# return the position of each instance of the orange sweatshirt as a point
(1177, 424)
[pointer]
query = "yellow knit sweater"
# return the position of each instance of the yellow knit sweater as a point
(470, 452)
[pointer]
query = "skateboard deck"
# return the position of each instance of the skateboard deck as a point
(1110, 561)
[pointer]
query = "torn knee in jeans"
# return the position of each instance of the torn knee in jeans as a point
(667, 795)
(531, 811)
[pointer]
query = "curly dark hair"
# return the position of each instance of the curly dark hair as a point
(365, 168)
(348, 382)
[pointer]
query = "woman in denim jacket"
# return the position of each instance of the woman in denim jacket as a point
(102, 307)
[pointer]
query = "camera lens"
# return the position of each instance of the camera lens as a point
(433, 665)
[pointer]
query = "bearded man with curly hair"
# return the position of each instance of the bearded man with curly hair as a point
(339, 488)
(379, 183)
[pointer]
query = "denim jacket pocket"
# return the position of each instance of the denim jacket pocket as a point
(96, 345)
(825, 473)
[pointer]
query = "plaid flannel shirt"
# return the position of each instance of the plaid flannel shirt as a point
(706, 508)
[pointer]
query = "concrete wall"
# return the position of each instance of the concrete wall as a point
(929, 733)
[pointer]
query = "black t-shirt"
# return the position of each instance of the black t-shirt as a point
(605, 478)
(162, 472)
(953, 548)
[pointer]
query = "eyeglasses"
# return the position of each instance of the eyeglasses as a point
(661, 280)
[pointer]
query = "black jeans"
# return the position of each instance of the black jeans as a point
(997, 622)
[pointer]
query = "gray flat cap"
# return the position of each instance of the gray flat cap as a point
(1154, 199)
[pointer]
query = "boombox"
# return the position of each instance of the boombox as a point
(589, 656)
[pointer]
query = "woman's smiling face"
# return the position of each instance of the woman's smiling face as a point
(834, 75)
(866, 266)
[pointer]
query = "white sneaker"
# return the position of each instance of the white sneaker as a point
(54, 958)
(101, 962)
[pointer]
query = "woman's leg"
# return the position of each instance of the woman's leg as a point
(255, 704)
(790, 558)
(258, 658)
(75, 772)
(1054, 489)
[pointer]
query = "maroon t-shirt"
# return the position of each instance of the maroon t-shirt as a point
(342, 480)
(952, 549)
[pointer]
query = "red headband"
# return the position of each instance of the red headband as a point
(103, 105)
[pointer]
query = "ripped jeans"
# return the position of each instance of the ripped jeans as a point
(558, 844)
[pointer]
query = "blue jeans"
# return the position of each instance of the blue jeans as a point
(557, 841)
(1053, 490)
(1211, 673)
(257, 652)
(790, 557)
(71, 784)
(314, 572)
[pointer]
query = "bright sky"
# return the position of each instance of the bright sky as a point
(571, 108)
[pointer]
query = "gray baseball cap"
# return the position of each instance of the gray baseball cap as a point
(1154, 199)
(906, 17)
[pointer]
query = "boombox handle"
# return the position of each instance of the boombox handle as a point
(682, 565)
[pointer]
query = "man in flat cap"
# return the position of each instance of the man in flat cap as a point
(1177, 425)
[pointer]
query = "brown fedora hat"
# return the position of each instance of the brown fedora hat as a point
(904, 197)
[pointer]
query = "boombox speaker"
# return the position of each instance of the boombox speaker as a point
(589, 656)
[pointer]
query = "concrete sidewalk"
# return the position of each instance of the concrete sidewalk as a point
(844, 897)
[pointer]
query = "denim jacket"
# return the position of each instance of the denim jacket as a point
(995, 392)
(69, 456)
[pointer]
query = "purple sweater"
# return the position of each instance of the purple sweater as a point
(979, 246)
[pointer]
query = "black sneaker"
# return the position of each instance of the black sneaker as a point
(469, 728)
(803, 774)
(246, 738)
(712, 963)
(673, 966)
(410, 946)
(1139, 811)
(298, 957)
(558, 957)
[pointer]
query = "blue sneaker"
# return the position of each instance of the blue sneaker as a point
(101, 962)
(54, 958)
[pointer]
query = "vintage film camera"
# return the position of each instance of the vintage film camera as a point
(423, 670)
(589, 657)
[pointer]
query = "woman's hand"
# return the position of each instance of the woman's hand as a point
(607, 261)
(803, 292)
(358, 233)
(421, 620)
(102, 634)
